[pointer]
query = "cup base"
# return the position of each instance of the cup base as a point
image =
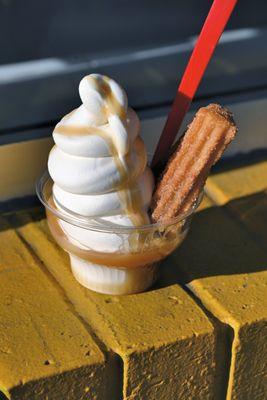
(111, 280)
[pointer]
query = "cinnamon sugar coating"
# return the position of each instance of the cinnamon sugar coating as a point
(211, 130)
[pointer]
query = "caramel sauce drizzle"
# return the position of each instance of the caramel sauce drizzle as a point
(129, 193)
(72, 130)
(153, 250)
(112, 105)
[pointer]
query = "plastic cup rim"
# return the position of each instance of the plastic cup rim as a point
(94, 223)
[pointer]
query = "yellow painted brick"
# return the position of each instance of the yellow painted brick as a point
(244, 191)
(46, 352)
(237, 182)
(205, 203)
(21, 177)
(225, 268)
(165, 340)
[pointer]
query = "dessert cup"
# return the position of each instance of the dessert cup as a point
(120, 259)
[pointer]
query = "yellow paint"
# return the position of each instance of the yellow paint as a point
(226, 268)
(238, 182)
(165, 340)
(44, 347)
(20, 166)
(244, 191)
(205, 203)
(167, 344)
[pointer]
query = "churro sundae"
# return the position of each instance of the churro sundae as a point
(101, 208)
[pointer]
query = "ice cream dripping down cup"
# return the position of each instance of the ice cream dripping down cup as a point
(133, 266)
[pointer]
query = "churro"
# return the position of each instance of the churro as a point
(212, 129)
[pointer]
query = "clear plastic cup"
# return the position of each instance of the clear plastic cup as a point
(112, 259)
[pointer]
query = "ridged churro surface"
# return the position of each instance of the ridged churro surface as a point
(212, 129)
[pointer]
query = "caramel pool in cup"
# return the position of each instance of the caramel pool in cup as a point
(131, 269)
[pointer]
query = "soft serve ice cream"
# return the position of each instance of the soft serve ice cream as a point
(99, 169)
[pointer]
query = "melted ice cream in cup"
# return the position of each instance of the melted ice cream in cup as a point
(98, 193)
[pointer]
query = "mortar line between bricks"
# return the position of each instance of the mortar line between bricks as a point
(61, 291)
(231, 329)
(226, 331)
(108, 353)
(231, 370)
(233, 334)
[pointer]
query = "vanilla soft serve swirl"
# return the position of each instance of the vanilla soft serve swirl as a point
(99, 162)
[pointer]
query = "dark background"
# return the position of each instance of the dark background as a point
(34, 29)
(48, 46)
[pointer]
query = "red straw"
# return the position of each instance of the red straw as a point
(210, 34)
